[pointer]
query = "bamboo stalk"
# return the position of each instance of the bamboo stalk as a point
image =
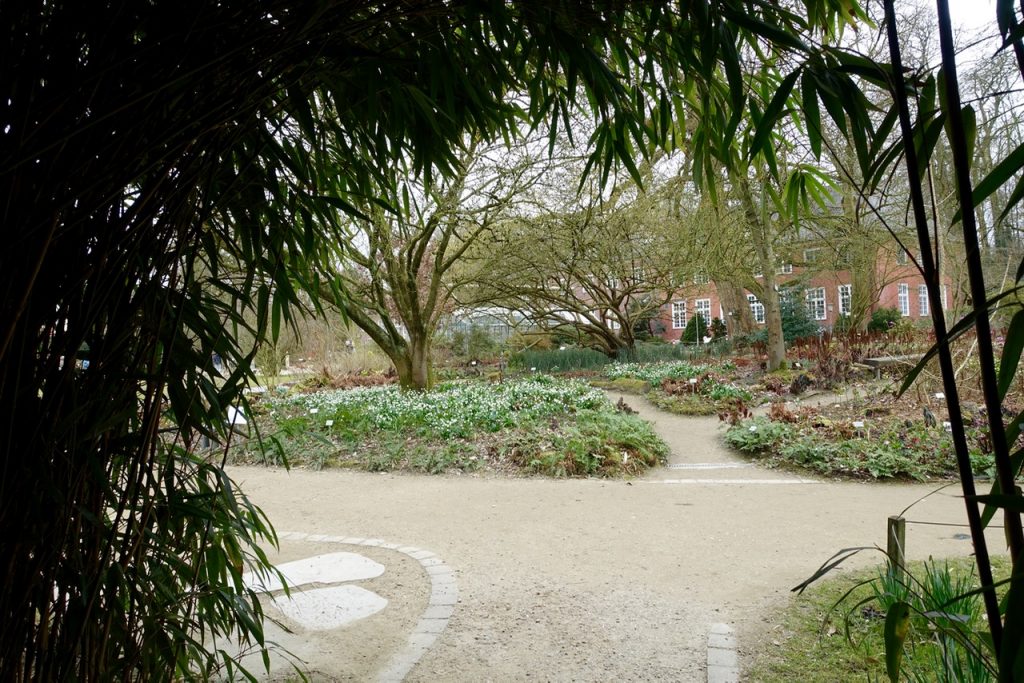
(929, 270)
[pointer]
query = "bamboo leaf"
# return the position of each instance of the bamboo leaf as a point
(1011, 353)
(1014, 199)
(897, 625)
(812, 113)
(1003, 502)
(997, 490)
(831, 563)
(963, 325)
(771, 114)
(996, 178)
(1011, 661)
(758, 27)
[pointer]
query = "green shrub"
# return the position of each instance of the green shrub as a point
(663, 352)
(757, 435)
(540, 425)
(559, 360)
(796, 322)
(834, 631)
(602, 443)
(480, 343)
(696, 330)
(718, 329)
(884, 319)
(654, 373)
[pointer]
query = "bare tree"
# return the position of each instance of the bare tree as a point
(598, 269)
(397, 277)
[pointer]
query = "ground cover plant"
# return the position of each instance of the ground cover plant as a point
(569, 358)
(538, 424)
(834, 631)
(683, 387)
(876, 437)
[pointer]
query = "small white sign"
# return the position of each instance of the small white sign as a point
(329, 423)
(314, 411)
(939, 395)
(236, 416)
(858, 424)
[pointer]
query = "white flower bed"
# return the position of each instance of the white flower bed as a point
(654, 373)
(456, 409)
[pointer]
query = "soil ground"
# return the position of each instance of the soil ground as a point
(593, 580)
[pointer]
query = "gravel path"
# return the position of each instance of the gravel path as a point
(586, 580)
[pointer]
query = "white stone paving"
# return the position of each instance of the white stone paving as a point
(723, 662)
(343, 604)
(323, 609)
(325, 569)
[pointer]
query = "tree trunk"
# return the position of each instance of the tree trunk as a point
(739, 320)
(766, 261)
(773, 316)
(412, 363)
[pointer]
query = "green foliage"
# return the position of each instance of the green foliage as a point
(796, 322)
(600, 443)
(475, 344)
(709, 395)
(887, 452)
(538, 425)
(629, 385)
(656, 352)
(696, 330)
(757, 436)
(718, 329)
(693, 405)
(654, 373)
(833, 632)
(559, 360)
(480, 343)
(884, 320)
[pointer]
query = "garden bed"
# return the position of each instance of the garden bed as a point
(834, 632)
(878, 437)
(538, 425)
(685, 388)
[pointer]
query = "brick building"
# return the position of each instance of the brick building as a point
(828, 294)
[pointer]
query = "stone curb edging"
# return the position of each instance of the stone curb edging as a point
(444, 594)
(723, 661)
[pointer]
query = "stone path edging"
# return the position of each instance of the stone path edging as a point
(444, 594)
(723, 661)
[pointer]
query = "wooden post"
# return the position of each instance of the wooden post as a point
(896, 532)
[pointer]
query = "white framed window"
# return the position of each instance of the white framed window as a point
(816, 303)
(845, 299)
(811, 255)
(903, 298)
(703, 308)
(902, 257)
(701, 279)
(756, 308)
(678, 315)
(922, 300)
(613, 323)
(784, 269)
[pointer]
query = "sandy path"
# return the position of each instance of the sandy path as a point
(588, 580)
